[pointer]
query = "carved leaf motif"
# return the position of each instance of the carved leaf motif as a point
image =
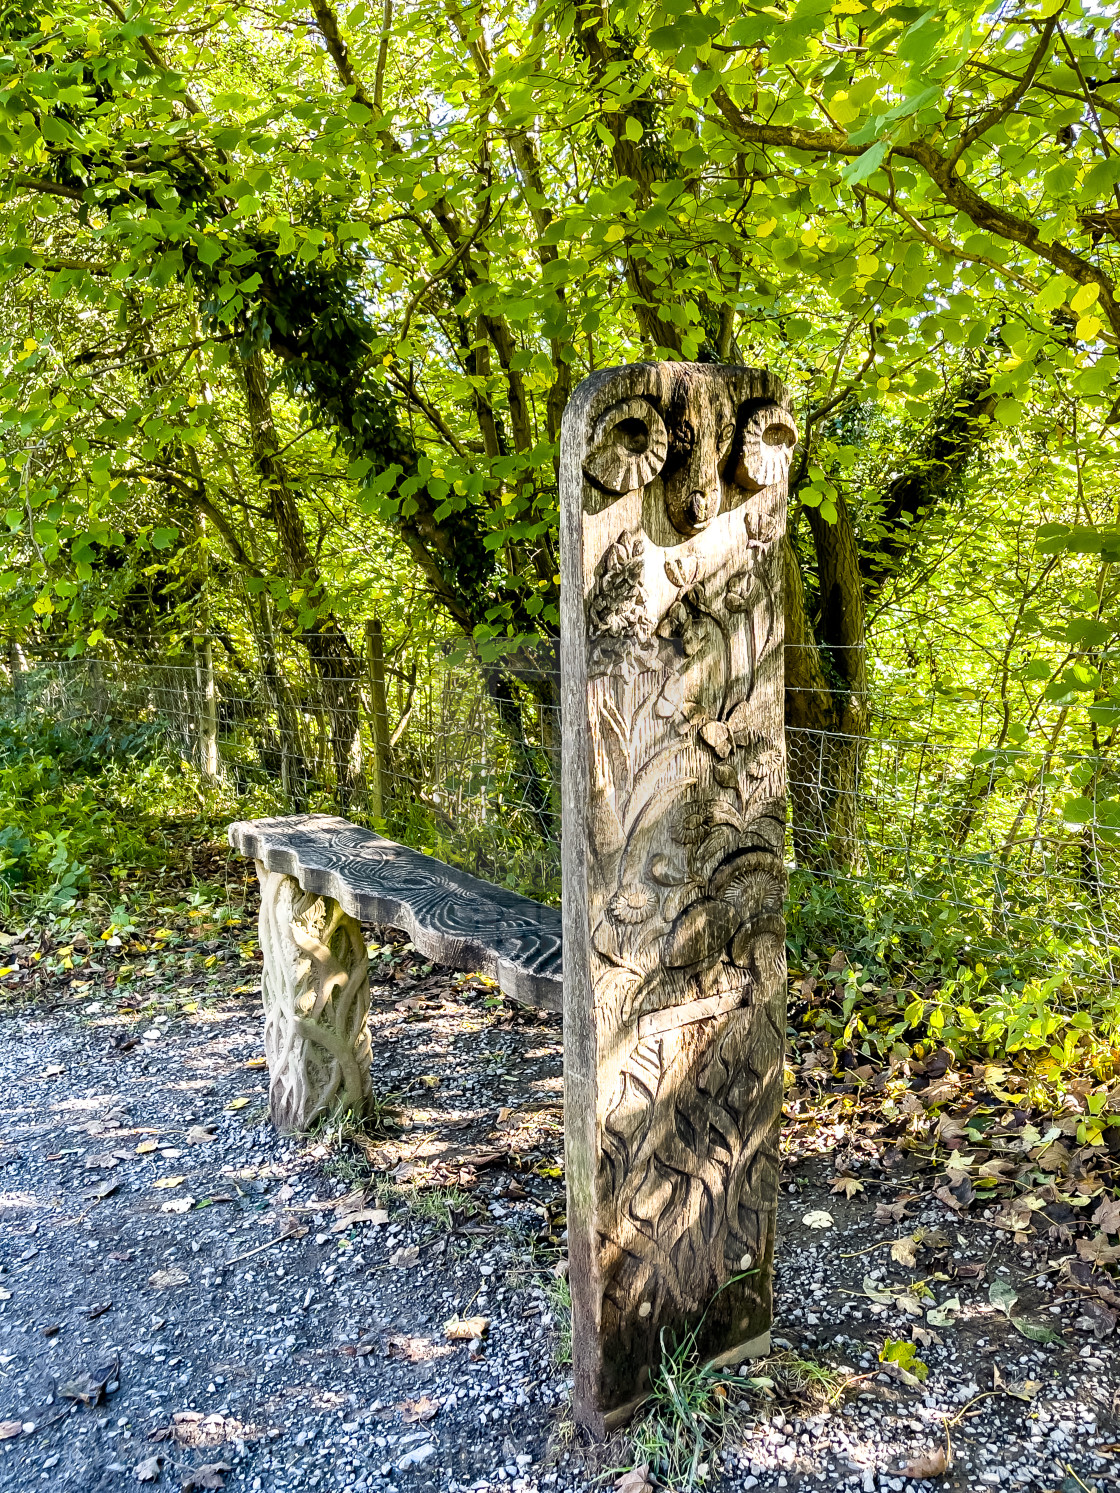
(740, 723)
(699, 934)
(681, 569)
(617, 606)
(741, 592)
(718, 737)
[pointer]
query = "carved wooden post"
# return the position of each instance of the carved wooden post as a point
(673, 507)
(316, 1004)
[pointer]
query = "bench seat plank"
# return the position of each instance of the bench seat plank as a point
(452, 917)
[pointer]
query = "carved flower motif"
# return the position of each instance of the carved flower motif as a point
(767, 766)
(692, 824)
(742, 592)
(632, 904)
(682, 622)
(618, 605)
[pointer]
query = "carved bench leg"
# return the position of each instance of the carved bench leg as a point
(316, 1004)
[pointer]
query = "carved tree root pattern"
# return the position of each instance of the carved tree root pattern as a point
(316, 1004)
(673, 502)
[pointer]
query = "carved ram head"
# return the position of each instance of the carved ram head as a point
(694, 438)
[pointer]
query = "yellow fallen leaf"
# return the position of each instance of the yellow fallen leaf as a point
(849, 1186)
(169, 1181)
(145, 1146)
(466, 1329)
(257, 1063)
(237, 1103)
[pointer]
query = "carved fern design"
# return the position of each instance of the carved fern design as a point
(316, 1004)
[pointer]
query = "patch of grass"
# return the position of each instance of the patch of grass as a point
(432, 1204)
(347, 1166)
(692, 1406)
(558, 1293)
(683, 1424)
(800, 1383)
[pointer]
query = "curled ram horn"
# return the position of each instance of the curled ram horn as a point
(628, 446)
(766, 445)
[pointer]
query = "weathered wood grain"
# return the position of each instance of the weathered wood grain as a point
(451, 917)
(673, 503)
(315, 990)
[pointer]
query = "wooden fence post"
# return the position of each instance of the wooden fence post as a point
(379, 717)
(673, 507)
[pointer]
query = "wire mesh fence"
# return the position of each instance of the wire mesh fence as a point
(908, 842)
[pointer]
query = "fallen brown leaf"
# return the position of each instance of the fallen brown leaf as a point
(940, 1090)
(1097, 1318)
(849, 1186)
(890, 1212)
(944, 1195)
(89, 1389)
(208, 1476)
(100, 1192)
(1107, 1216)
(10, 1428)
(933, 1463)
(167, 1280)
(1098, 1251)
(415, 1349)
(147, 1471)
(904, 1251)
(375, 1216)
(417, 1412)
(635, 1481)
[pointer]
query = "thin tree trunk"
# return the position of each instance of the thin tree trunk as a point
(207, 704)
(293, 761)
(332, 657)
(17, 668)
(826, 701)
(536, 785)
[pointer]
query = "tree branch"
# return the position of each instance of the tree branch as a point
(956, 191)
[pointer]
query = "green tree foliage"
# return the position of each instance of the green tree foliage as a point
(295, 297)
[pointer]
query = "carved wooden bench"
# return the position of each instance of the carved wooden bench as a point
(319, 875)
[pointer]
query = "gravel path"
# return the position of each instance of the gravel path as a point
(189, 1300)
